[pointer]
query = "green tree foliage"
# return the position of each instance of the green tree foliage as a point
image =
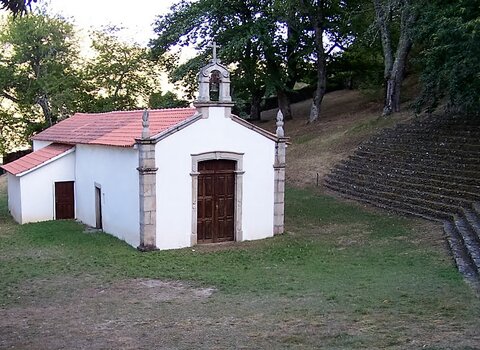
(11, 133)
(37, 71)
(240, 27)
(120, 76)
(266, 42)
(166, 100)
(360, 63)
(358, 67)
(330, 33)
(450, 38)
(43, 77)
(272, 44)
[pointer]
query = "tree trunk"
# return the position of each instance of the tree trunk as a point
(321, 72)
(47, 112)
(394, 64)
(284, 104)
(393, 83)
(255, 107)
(315, 11)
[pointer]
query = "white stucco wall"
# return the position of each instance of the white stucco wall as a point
(114, 169)
(40, 144)
(14, 197)
(38, 188)
(174, 182)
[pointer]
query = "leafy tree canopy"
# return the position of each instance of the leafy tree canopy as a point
(166, 100)
(43, 77)
(270, 44)
(120, 76)
(449, 33)
(37, 70)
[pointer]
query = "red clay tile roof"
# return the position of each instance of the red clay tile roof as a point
(112, 128)
(36, 158)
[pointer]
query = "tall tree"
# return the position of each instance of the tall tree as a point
(449, 35)
(320, 29)
(199, 23)
(37, 68)
(314, 10)
(403, 14)
(120, 76)
(251, 35)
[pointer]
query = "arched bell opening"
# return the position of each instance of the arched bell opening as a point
(215, 85)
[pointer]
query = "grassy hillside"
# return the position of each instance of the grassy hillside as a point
(348, 117)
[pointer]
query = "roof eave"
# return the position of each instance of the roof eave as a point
(172, 130)
(51, 160)
(259, 130)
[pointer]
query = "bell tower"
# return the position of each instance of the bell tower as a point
(214, 86)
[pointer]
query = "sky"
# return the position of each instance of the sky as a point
(136, 16)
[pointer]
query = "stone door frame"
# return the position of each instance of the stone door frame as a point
(217, 155)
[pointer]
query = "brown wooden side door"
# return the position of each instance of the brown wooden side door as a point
(216, 214)
(64, 200)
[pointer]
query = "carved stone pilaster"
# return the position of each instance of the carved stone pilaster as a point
(147, 189)
(279, 178)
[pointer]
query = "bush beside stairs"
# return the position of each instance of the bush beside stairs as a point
(428, 168)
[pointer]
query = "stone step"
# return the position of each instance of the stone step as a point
(391, 205)
(428, 167)
(422, 165)
(408, 203)
(422, 144)
(471, 193)
(403, 189)
(407, 200)
(463, 261)
(476, 208)
(429, 159)
(473, 219)
(389, 138)
(470, 239)
(446, 130)
(419, 150)
(407, 169)
(436, 131)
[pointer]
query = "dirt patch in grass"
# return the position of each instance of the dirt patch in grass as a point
(141, 314)
(144, 314)
(82, 314)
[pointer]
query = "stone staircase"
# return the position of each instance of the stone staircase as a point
(428, 168)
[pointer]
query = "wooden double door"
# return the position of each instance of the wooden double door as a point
(216, 201)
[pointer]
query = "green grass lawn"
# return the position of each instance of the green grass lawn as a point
(383, 272)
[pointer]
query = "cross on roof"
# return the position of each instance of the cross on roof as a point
(214, 46)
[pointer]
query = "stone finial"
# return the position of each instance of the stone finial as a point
(280, 132)
(146, 125)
